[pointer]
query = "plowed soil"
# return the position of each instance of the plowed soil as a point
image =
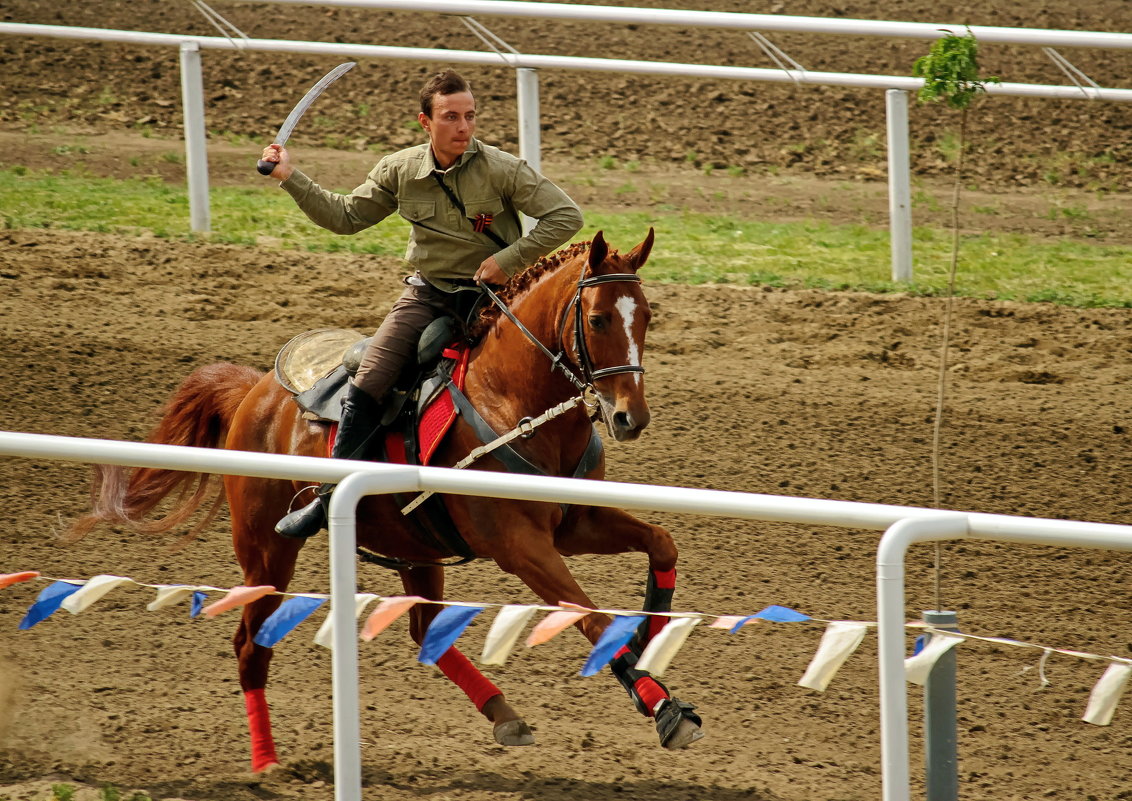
(800, 393)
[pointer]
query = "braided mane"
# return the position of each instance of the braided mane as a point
(521, 282)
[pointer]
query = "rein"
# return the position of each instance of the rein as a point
(584, 385)
(581, 350)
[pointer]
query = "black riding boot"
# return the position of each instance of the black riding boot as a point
(355, 430)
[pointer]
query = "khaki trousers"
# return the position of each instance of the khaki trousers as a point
(394, 345)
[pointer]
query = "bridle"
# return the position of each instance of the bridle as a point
(582, 357)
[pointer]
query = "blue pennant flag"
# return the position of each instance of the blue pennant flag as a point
(48, 602)
(773, 613)
(198, 603)
(283, 620)
(616, 634)
(445, 629)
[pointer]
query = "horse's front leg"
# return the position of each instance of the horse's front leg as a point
(266, 558)
(601, 530)
(508, 727)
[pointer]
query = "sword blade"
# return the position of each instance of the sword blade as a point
(301, 107)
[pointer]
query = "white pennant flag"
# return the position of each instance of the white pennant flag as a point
(170, 594)
(917, 667)
(504, 633)
(325, 633)
(90, 592)
(839, 641)
(663, 647)
(1106, 693)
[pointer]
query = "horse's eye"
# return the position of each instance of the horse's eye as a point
(597, 322)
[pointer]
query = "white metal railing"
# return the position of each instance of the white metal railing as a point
(904, 525)
(899, 174)
(580, 12)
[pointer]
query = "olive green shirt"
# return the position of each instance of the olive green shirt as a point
(443, 243)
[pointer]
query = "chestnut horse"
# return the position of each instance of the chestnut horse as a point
(584, 303)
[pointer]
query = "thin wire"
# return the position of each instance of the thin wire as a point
(493, 42)
(219, 22)
(778, 56)
(1074, 74)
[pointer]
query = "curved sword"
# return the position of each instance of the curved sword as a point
(266, 167)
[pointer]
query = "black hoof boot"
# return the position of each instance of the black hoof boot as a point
(677, 725)
(303, 523)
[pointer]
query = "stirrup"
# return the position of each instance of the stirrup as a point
(303, 523)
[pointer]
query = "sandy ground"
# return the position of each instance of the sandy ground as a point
(795, 393)
(809, 394)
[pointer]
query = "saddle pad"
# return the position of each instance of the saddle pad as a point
(438, 417)
(312, 355)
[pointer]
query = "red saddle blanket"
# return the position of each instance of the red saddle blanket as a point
(434, 420)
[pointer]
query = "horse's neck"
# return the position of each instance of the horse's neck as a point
(508, 365)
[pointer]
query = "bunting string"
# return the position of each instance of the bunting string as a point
(839, 640)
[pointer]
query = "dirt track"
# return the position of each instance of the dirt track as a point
(792, 393)
(798, 393)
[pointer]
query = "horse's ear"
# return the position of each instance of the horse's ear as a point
(598, 251)
(640, 254)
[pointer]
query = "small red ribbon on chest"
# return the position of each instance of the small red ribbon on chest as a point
(481, 221)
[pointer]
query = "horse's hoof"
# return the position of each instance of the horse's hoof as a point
(685, 734)
(514, 732)
(677, 725)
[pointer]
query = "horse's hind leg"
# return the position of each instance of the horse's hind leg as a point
(602, 530)
(509, 728)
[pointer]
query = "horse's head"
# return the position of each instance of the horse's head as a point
(611, 319)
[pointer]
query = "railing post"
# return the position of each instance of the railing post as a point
(342, 525)
(899, 184)
(196, 154)
(941, 761)
(530, 126)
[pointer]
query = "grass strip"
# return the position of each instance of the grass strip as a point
(691, 248)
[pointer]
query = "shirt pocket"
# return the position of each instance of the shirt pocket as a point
(491, 207)
(417, 210)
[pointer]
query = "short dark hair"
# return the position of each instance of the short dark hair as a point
(448, 82)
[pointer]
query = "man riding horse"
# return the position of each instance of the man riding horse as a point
(463, 199)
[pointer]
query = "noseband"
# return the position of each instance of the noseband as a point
(581, 350)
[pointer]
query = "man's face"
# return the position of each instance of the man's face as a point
(451, 125)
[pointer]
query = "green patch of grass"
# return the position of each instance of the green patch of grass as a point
(690, 247)
(62, 792)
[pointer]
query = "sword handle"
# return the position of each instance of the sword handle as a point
(266, 167)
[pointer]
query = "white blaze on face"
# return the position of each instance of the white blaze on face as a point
(627, 307)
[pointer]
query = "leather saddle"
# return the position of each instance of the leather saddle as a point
(316, 365)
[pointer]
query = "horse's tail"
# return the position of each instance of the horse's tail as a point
(199, 414)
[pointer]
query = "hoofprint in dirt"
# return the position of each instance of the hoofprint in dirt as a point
(797, 393)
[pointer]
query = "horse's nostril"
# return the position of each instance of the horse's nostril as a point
(622, 420)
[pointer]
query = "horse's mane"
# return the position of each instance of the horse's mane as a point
(521, 282)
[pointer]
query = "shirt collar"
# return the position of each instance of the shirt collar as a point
(428, 163)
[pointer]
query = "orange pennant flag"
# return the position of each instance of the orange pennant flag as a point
(555, 622)
(8, 579)
(387, 611)
(237, 596)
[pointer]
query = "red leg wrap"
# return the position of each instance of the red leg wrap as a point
(467, 677)
(259, 725)
(665, 580)
(649, 692)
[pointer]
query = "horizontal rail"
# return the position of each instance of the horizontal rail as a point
(681, 500)
(344, 50)
(739, 21)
